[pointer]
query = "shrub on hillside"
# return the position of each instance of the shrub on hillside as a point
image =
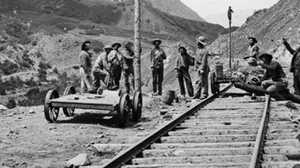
(17, 29)
(8, 67)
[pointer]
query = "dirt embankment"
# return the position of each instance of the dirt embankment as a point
(28, 141)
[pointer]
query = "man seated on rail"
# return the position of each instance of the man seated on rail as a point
(251, 74)
(252, 71)
(273, 81)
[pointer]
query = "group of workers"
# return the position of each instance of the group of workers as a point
(112, 63)
(273, 79)
(108, 68)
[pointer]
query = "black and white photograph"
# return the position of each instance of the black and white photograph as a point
(149, 83)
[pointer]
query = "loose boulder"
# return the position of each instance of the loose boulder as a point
(80, 160)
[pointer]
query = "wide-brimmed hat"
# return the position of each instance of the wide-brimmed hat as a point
(182, 47)
(252, 61)
(202, 40)
(252, 38)
(107, 47)
(116, 44)
(265, 55)
(156, 41)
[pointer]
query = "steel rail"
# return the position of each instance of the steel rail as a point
(262, 131)
(127, 155)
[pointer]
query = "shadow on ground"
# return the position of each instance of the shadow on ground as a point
(94, 119)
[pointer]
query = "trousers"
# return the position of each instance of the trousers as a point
(297, 81)
(85, 81)
(202, 85)
(184, 76)
(158, 77)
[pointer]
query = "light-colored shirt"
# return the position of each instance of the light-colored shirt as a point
(85, 61)
(253, 51)
(202, 59)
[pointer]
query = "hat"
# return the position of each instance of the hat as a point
(202, 40)
(252, 61)
(116, 44)
(107, 47)
(252, 38)
(265, 55)
(156, 41)
(182, 47)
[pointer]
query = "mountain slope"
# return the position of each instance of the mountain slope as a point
(269, 26)
(176, 8)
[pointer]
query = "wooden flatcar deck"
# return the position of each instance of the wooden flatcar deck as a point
(107, 101)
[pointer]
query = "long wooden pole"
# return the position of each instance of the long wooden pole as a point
(230, 52)
(137, 45)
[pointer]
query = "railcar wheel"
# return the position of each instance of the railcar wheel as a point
(215, 87)
(100, 90)
(51, 113)
(69, 112)
(137, 106)
(124, 110)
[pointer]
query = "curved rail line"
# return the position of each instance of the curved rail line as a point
(250, 145)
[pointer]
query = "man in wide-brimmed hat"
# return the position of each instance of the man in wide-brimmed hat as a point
(253, 49)
(295, 65)
(157, 57)
(273, 79)
(101, 68)
(203, 69)
(184, 61)
(128, 67)
(115, 59)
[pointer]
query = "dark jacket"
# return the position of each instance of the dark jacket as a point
(184, 62)
(295, 64)
(274, 71)
(157, 57)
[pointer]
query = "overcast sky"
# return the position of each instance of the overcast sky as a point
(215, 10)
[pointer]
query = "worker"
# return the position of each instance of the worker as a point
(157, 57)
(253, 48)
(128, 69)
(115, 59)
(203, 69)
(252, 70)
(273, 79)
(295, 65)
(101, 69)
(85, 67)
(184, 61)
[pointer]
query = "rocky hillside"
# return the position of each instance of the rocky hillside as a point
(176, 8)
(40, 40)
(269, 26)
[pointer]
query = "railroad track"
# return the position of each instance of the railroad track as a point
(227, 132)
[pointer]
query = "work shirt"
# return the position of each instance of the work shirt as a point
(295, 64)
(101, 63)
(128, 57)
(157, 57)
(115, 57)
(253, 51)
(85, 61)
(184, 62)
(202, 59)
(274, 71)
